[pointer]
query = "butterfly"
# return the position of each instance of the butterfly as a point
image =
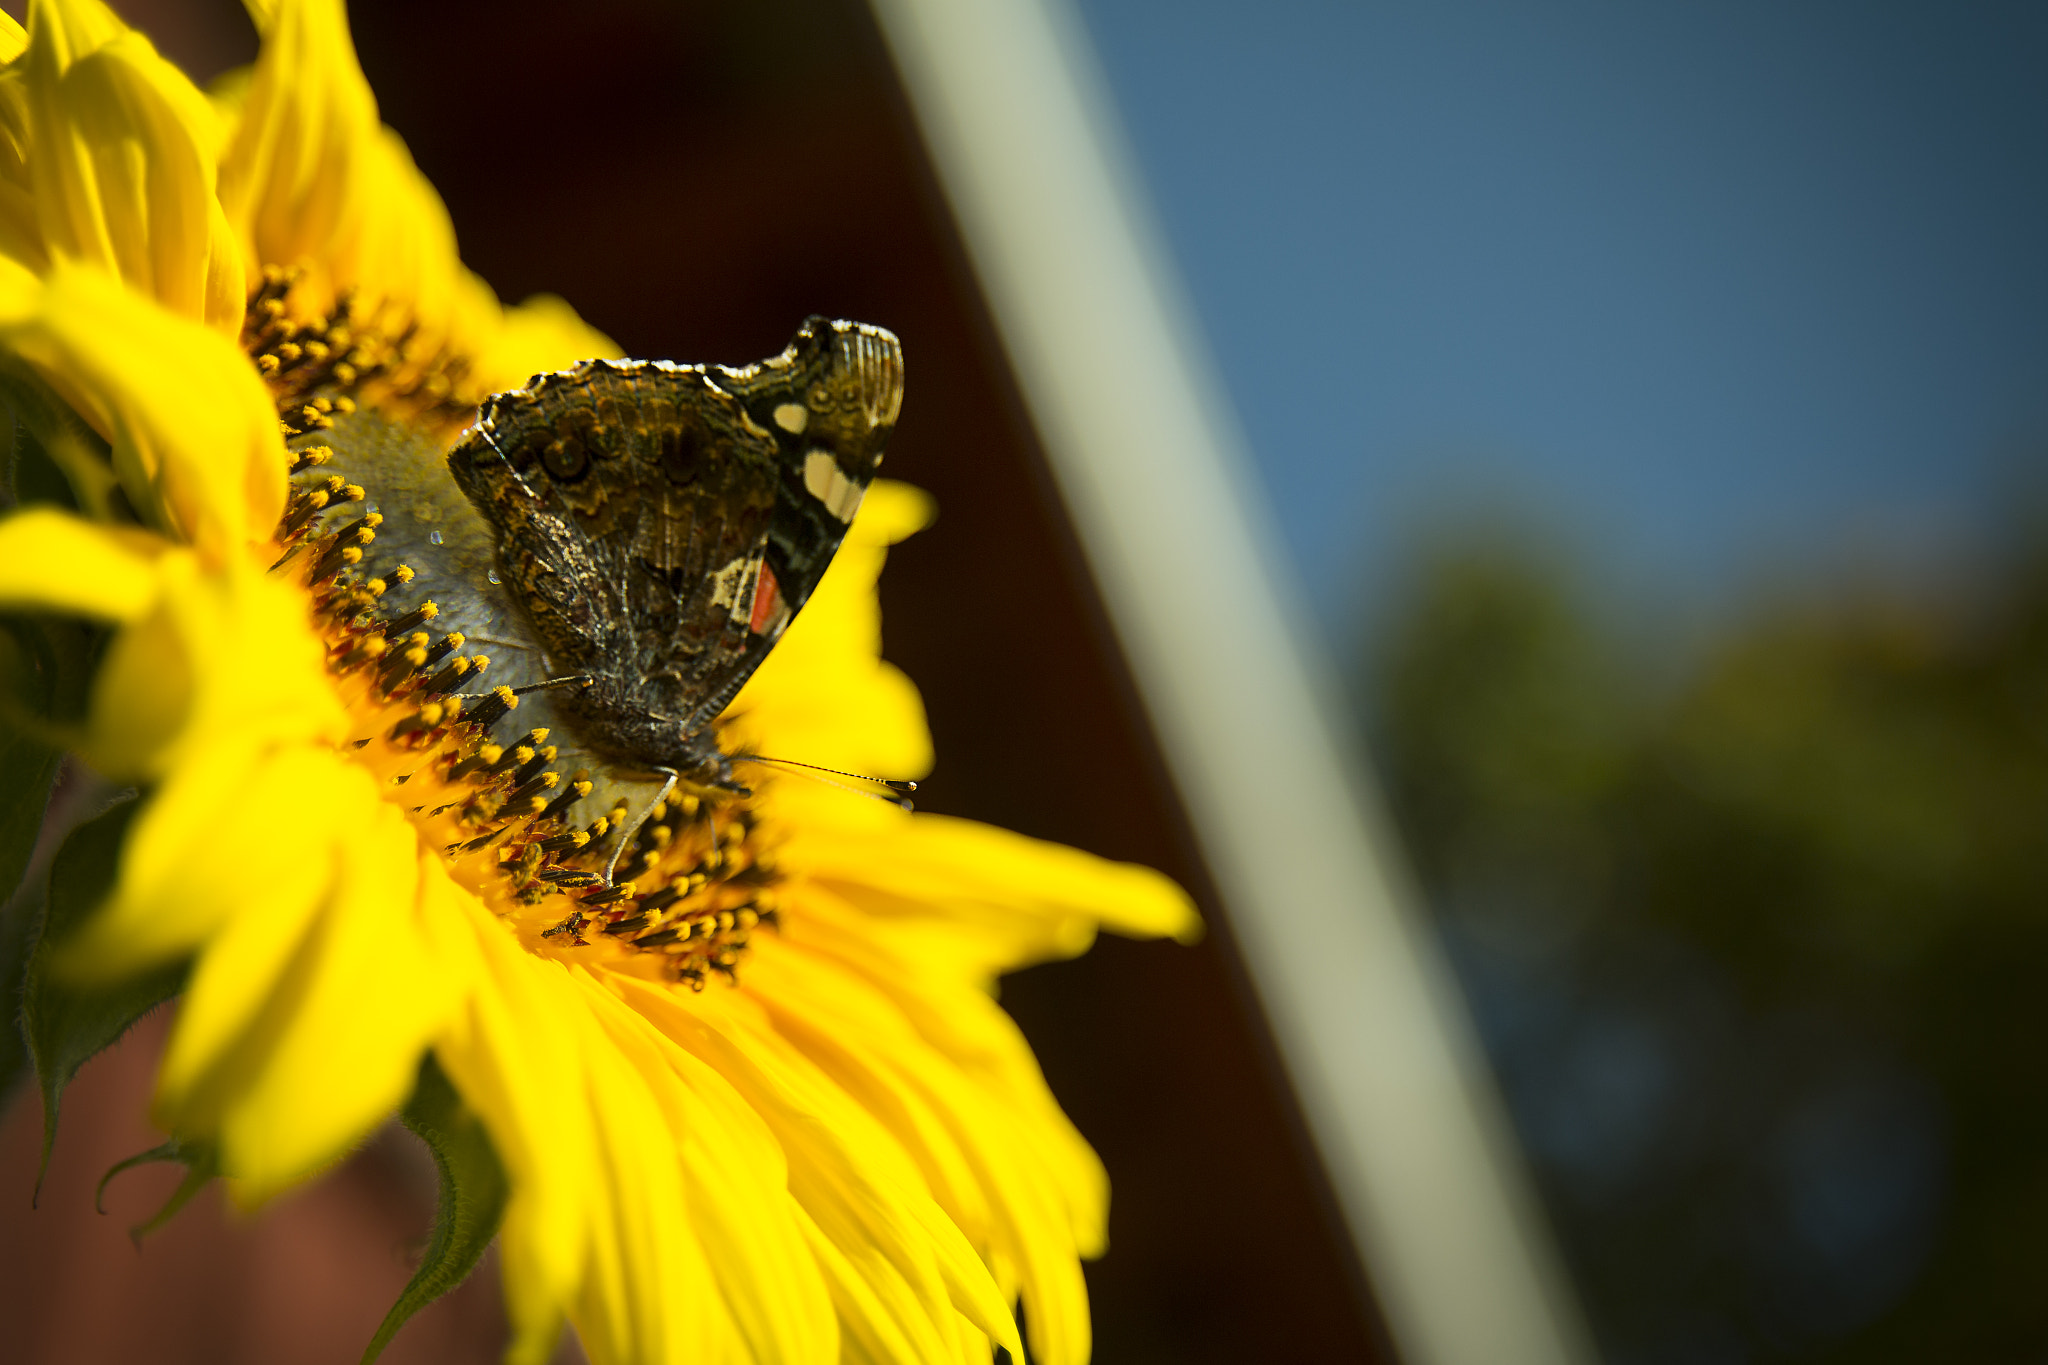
(660, 525)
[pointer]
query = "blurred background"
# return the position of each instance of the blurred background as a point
(1651, 401)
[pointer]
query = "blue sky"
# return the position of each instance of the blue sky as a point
(1717, 289)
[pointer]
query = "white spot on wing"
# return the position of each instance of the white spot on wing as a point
(791, 417)
(732, 587)
(823, 481)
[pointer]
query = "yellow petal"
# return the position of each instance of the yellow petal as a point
(913, 1266)
(926, 1047)
(737, 1206)
(13, 38)
(892, 513)
(194, 435)
(1023, 899)
(513, 1067)
(121, 154)
(521, 1073)
(220, 671)
(261, 13)
(214, 843)
(300, 1033)
(52, 561)
(21, 229)
(825, 696)
(597, 1222)
(312, 180)
(542, 334)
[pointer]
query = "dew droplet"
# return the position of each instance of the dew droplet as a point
(493, 576)
(433, 537)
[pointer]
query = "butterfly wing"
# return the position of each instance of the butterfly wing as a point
(830, 400)
(661, 525)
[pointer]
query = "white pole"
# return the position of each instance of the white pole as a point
(1147, 458)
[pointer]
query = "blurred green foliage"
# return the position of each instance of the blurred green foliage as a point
(1759, 944)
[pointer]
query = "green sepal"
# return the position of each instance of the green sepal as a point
(67, 1024)
(30, 770)
(472, 1198)
(34, 478)
(200, 1163)
(52, 439)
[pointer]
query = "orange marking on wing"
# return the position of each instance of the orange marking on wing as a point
(765, 595)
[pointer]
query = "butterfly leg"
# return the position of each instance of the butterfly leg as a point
(569, 680)
(669, 779)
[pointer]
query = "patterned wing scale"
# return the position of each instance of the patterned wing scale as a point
(661, 525)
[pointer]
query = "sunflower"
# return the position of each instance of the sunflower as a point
(749, 1099)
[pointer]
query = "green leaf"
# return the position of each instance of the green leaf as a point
(19, 919)
(31, 770)
(46, 671)
(472, 1201)
(201, 1165)
(66, 1024)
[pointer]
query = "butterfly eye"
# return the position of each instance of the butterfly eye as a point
(682, 457)
(566, 458)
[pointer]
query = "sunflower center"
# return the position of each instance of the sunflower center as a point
(583, 859)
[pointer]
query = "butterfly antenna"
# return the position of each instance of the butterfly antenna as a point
(812, 771)
(894, 784)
